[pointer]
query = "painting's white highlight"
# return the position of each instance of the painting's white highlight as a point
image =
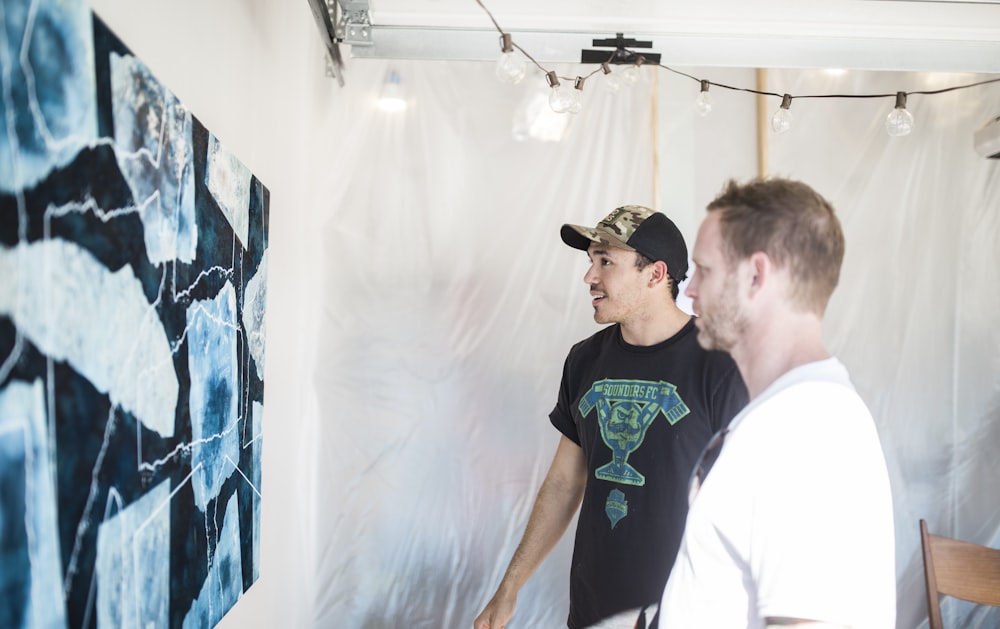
(133, 563)
(228, 179)
(180, 295)
(254, 300)
(154, 152)
(236, 465)
(24, 454)
(65, 119)
(213, 403)
(96, 320)
(87, 206)
(224, 584)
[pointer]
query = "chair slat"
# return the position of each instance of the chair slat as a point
(960, 569)
(967, 571)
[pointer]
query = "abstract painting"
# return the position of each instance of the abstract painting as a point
(133, 262)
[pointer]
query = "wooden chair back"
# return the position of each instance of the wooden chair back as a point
(961, 569)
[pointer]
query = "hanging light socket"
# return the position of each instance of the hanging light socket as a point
(781, 121)
(564, 99)
(611, 79)
(511, 67)
(630, 75)
(704, 102)
(899, 122)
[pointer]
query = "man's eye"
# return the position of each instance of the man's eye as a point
(605, 262)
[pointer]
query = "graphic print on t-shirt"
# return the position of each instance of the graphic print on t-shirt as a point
(625, 410)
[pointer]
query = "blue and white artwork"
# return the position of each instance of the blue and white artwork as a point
(133, 268)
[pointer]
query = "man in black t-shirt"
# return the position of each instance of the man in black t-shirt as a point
(637, 403)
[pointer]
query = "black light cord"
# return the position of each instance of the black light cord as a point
(640, 59)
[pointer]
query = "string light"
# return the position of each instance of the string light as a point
(565, 99)
(577, 95)
(899, 121)
(781, 121)
(630, 75)
(511, 68)
(391, 98)
(704, 102)
(612, 79)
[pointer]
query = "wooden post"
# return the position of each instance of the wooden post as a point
(761, 123)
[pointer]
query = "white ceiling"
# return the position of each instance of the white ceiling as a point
(931, 35)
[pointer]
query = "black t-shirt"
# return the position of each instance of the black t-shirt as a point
(642, 416)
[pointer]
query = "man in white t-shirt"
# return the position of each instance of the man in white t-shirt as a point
(790, 519)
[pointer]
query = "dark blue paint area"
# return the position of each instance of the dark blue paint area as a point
(187, 540)
(8, 217)
(105, 43)
(15, 566)
(259, 202)
(8, 336)
(215, 234)
(246, 497)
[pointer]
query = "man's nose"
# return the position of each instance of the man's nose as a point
(692, 288)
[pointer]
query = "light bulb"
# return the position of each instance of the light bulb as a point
(391, 98)
(563, 99)
(899, 121)
(630, 75)
(577, 103)
(612, 79)
(511, 67)
(704, 102)
(781, 121)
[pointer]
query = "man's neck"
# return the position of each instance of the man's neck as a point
(658, 326)
(776, 347)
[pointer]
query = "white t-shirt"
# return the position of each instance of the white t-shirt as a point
(794, 519)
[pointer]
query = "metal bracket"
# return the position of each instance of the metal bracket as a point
(621, 53)
(355, 26)
(324, 12)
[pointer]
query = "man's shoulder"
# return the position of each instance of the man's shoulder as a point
(596, 341)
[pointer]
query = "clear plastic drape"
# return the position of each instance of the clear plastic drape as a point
(915, 316)
(446, 303)
(449, 302)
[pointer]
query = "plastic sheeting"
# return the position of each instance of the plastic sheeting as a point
(448, 304)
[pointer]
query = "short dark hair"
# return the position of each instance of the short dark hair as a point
(641, 262)
(790, 222)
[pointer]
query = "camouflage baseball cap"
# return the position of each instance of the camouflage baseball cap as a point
(635, 228)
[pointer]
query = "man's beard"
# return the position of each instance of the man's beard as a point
(722, 328)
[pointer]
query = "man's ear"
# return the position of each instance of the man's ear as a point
(760, 269)
(657, 272)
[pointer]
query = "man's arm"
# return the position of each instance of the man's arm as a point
(557, 501)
